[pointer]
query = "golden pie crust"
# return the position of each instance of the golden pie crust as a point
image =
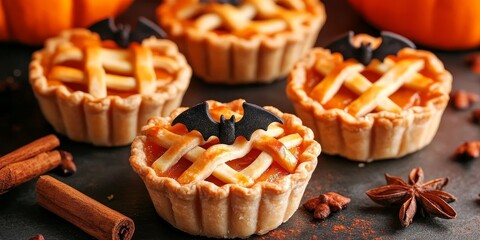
(229, 207)
(95, 92)
(256, 42)
(395, 114)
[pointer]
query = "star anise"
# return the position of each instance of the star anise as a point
(428, 198)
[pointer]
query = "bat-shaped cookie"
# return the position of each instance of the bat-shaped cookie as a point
(254, 117)
(391, 44)
(123, 35)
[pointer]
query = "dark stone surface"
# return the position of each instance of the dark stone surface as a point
(105, 171)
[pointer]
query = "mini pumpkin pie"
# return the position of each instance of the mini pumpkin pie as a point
(94, 91)
(251, 41)
(205, 187)
(383, 108)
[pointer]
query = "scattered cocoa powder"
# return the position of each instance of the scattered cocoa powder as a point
(291, 233)
(294, 231)
(338, 228)
(346, 228)
(278, 234)
(356, 227)
(364, 225)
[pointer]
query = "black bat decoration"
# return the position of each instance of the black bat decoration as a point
(391, 44)
(123, 34)
(231, 2)
(254, 117)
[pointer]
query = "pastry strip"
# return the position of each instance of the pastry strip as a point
(390, 82)
(73, 75)
(360, 84)
(94, 72)
(329, 86)
(176, 150)
(417, 82)
(67, 53)
(264, 160)
(143, 67)
(117, 66)
(117, 60)
(165, 63)
(214, 156)
(223, 172)
(218, 154)
(278, 151)
(242, 20)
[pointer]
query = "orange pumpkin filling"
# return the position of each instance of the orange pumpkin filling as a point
(405, 97)
(246, 20)
(272, 150)
(67, 66)
(153, 151)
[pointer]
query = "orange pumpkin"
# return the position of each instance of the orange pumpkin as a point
(442, 24)
(33, 21)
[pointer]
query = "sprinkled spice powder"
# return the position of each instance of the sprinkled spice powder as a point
(340, 227)
(364, 225)
(337, 228)
(296, 230)
(278, 234)
(350, 228)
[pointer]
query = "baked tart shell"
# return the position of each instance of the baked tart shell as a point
(228, 59)
(108, 121)
(228, 211)
(377, 135)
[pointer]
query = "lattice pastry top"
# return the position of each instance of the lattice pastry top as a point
(408, 79)
(174, 152)
(79, 60)
(250, 17)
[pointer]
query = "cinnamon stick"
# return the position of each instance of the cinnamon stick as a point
(84, 212)
(17, 173)
(40, 145)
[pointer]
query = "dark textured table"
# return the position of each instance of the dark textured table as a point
(105, 171)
